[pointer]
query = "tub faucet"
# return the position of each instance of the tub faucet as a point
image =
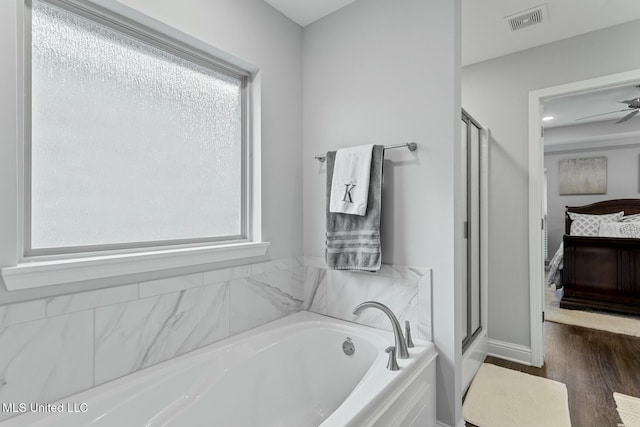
(401, 345)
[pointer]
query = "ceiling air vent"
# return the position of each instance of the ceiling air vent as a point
(527, 18)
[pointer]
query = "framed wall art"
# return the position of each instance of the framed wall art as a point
(587, 175)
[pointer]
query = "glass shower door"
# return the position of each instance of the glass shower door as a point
(471, 300)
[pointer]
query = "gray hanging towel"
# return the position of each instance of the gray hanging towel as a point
(353, 241)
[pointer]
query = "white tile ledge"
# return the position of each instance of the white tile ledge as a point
(45, 273)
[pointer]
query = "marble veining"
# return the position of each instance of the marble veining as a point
(46, 359)
(314, 261)
(315, 290)
(274, 265)
(171, 284)
(281, 281)
(54, 347)
(345, 292)
(406, 290)
(264, 298)
(85, 300)
(226, 274)
(92, 337)
(138, 334)
(21, 312)
(425, 306)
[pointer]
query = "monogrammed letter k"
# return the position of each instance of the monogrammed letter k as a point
(347, 193)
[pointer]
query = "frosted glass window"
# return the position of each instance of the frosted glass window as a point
(130, 144)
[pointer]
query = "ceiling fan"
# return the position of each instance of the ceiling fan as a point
(633, 108)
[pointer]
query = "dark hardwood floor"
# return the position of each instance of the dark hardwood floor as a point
(593, 364)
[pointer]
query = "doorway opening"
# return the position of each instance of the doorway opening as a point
(536, 193)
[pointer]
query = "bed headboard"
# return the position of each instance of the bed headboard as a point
(629, 206)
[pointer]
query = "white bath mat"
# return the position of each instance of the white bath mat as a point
(500, 397)
(628, 409)
(616, 323)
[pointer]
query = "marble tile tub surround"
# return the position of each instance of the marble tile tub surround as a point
(54, 347)
(405, 290)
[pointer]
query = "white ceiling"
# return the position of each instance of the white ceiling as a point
(486, 35)
(304, 12)
(571, 110)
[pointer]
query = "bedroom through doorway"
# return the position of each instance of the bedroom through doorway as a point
(573, 128)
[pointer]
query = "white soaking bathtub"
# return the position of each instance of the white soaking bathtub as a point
(291, 372)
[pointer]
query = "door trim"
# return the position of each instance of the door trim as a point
(536, 166)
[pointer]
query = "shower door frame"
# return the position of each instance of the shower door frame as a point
(475, 345)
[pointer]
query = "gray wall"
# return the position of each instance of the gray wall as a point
(622, 183)
(496, 93)
(67, 340)
(249, 32)
(254, 32)
(386, 72)
(379, 71)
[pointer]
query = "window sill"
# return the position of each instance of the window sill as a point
(46, 273)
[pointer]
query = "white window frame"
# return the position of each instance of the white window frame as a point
(28, 270)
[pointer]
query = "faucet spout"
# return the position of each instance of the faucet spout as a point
(401, 345)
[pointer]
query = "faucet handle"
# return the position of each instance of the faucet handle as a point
(392, 364)
(407, 334)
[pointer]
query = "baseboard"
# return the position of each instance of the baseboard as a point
(441, 424)
(508, 351)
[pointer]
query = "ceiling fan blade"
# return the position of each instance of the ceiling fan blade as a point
(628, 116)
(632, 103)
(601, 114)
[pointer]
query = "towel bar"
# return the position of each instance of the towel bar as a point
(412, 146)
